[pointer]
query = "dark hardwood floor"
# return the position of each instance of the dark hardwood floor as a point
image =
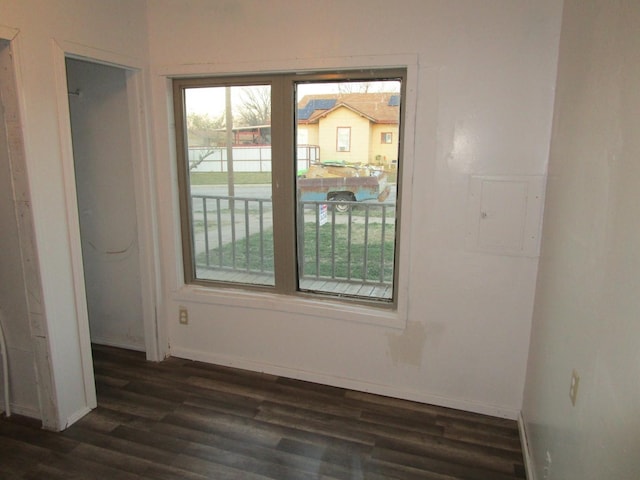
(188, 420)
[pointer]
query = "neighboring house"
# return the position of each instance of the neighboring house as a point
(247, 135)
(354, 127)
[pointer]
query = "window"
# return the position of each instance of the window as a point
(302, 136)
(386, 137)
(343, 139)
(260, 212)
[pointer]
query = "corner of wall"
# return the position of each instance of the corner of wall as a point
(526, 452)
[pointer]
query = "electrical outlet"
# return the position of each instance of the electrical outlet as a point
(573, 388)
(183, 316)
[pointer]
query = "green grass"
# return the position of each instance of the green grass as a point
(256, 261)
(375, 211)
(346, 256)
(239, 178)
(340, 250)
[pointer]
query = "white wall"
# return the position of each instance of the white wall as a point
(106, 202)
(44, 30)
(482, 82)
(19, 296)
(587, 306)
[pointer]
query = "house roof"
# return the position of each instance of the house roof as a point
(377, 107)
(314, 104)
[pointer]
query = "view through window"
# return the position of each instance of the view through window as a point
(347, 245)
(228, 140)
(340, 183)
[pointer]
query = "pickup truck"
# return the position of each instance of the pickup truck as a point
(342, 182)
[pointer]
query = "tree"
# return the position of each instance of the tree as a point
(208, 132)
(204, 127)
(356, 87)
(345, 88)
(255, 108)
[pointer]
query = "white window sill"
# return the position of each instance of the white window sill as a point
(383, 315)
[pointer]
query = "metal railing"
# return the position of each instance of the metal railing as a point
(349, 242)
(357, 245)
(227, 231)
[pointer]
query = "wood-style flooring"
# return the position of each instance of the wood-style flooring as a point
(187, 420)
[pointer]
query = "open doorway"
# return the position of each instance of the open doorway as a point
(99, 107)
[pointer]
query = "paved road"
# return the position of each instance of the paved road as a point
(245, 191)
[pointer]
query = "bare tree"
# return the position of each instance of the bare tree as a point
(255, 108)
(345, 88)
(357, 87)
(208, 132)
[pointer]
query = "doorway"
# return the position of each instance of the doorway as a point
(99, 108)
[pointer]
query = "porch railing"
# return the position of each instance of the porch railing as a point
(366, 258)
(349, 242)
(226, 231)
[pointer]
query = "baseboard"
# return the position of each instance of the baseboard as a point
(126, 346)
(75, 417)
(526, 452)
(344, 382)
(24, 411)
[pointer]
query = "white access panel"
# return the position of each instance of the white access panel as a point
(504, 215)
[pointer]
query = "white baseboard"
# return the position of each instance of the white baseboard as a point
(127, 346)
(348, 383)
(75, 417)
(526, 452)
(24, 411)
(33, 413)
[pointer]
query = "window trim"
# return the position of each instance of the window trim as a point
(407, 66)
(383, 136)
(179, 104)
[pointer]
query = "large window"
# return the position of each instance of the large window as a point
(269, 202)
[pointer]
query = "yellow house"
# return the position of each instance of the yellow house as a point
(354, 127)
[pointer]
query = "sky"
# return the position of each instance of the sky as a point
(211, 100)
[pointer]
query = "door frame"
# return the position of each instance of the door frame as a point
(143, 173)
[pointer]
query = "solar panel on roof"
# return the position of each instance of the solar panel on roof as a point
(394, 101)
(324, 103)
(315, 104)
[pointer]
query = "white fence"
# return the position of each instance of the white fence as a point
(245, 158)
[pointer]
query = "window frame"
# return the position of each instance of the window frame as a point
(179, 85)
(346, 149)
(383, 136)
(283, 146)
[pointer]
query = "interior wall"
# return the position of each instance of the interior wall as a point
(483, 93)
(99, 109)
(15, 218)
(43, 32)
(587, 304)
